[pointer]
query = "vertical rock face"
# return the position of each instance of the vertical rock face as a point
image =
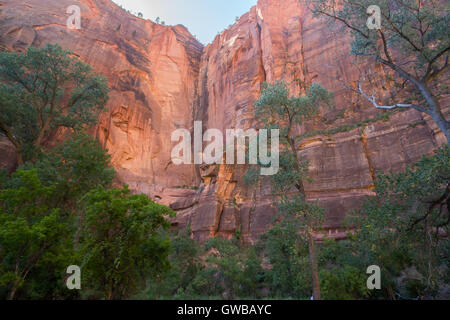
(162, 79)
(280, 40)
(152, 72)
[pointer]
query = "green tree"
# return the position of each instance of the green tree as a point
(412, 43)
(343, 270)
(122, 242)
(218, 269)
(287, 251)
(344, 283)
(254, 275)
(227, 258)
(280, 110)
(45, 90)
(76, 166)
(185, 264)
(404, 224)
(33, 232)
(68, 170)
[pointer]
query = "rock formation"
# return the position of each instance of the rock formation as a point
(162, 78)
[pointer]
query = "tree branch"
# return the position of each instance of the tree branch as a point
(47, 122)
(435, 58)
(395, 106)
(385, 47)
(431, 76)
(9, 134)
(433, 204)
(343, 21)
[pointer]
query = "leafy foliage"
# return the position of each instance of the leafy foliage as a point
(278, 109)
(414, 28)
(343, 283)
(218, 269)
(59, 210)
(185, 263)
(76, 166)
(33, 233)
(44, 90)
(412, 44)
(55, 211)
(287, 253)
(402, 226)
(121, 243)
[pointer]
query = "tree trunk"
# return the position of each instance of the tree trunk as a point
(311, 244)
(442, 123)
(314, 267)
(19, 157)
(109, 295)
(435, 109)
(79, 229)
(12, 293)
(391, 293)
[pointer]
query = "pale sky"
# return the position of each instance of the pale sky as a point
(203, 18)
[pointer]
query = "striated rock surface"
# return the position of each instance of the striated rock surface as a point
(161, 79)
(152, 72)
(280, 40)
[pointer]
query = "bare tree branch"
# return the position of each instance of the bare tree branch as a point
(372, 100)
(430, 76)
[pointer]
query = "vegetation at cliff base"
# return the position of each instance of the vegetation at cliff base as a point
(395, 229)
(59, 208)
(120, 245)
(62, 207)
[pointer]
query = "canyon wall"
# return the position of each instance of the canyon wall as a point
(152, 72)
(162, 78)
(280, 40)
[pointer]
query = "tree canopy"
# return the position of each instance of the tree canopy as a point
(278, 109)
(121, 244)
(44, 90)
(412, 43)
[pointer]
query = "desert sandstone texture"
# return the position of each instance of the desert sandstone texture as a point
(162, 78)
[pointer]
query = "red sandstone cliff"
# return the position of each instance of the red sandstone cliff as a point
(161, 79)
(152, 72)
